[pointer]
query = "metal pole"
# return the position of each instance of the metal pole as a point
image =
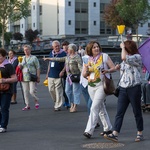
(22, 92)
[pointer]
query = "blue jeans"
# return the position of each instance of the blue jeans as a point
(73, 92)
(5, 99)
(64, 93)
(86, 97)
(129, 95)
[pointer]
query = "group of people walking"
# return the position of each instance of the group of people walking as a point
(88, 73)
(96, 64)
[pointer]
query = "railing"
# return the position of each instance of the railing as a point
(36, 46)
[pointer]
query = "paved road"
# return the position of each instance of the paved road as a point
(45, 129)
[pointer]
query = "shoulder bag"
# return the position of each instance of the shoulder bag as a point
(116, 92)
(33, 77)
(108, 83)
(4, 86)
(75, 78)
(109, 86)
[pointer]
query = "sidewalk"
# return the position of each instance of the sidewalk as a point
(45, 129)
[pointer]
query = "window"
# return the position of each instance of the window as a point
(102, 24)
(16, 28)
(148, 24)
(77, 31)
(22, 25)
(33, 7)
(69, 22)
(81, 27)
(84, 10)
(108, 31)
(81, 7)
(102, 27)
(94, 23)
(84, 7)
(40, 10)
(33, 24)
(102, 7)
(84, 31)
(102, 31)
(94, 4)
(69, 3)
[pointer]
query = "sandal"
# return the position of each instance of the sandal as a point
(139, 138)
(105, 132)
(13, 102)
(87, 135)
(111, 137)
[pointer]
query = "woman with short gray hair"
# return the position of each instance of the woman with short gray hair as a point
(30, 64)
(73, 66)
(72, 47)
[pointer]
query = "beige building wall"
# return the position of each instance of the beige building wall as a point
(66, 17)
(49, 17)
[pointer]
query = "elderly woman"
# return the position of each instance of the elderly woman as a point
(73, 65)
(92, 71)
(30, 64)
(7, 76)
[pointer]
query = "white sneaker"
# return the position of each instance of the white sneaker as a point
(2, 130)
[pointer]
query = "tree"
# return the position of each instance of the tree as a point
(18, 36)
(7, 37)
(111, 15)
(135, 12)
(11, 11)
(127, 12)
(31, 35)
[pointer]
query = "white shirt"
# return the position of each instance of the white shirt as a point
(83, 80)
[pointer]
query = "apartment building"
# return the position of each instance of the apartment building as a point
(66, 18)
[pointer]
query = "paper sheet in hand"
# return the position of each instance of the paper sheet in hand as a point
(144, 50)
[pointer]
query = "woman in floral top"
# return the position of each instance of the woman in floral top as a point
(30, 64)
(99, 63)
(130, 89)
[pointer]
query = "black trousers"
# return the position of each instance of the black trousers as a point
(129, 95)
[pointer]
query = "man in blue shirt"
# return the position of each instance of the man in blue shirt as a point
(55, 86)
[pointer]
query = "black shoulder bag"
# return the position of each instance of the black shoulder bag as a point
(116, 92)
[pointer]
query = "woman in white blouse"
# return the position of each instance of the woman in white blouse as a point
(130, 89)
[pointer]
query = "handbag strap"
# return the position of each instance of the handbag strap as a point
(104, 67)
(110, 73)
(120, 78)
(27, 64)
